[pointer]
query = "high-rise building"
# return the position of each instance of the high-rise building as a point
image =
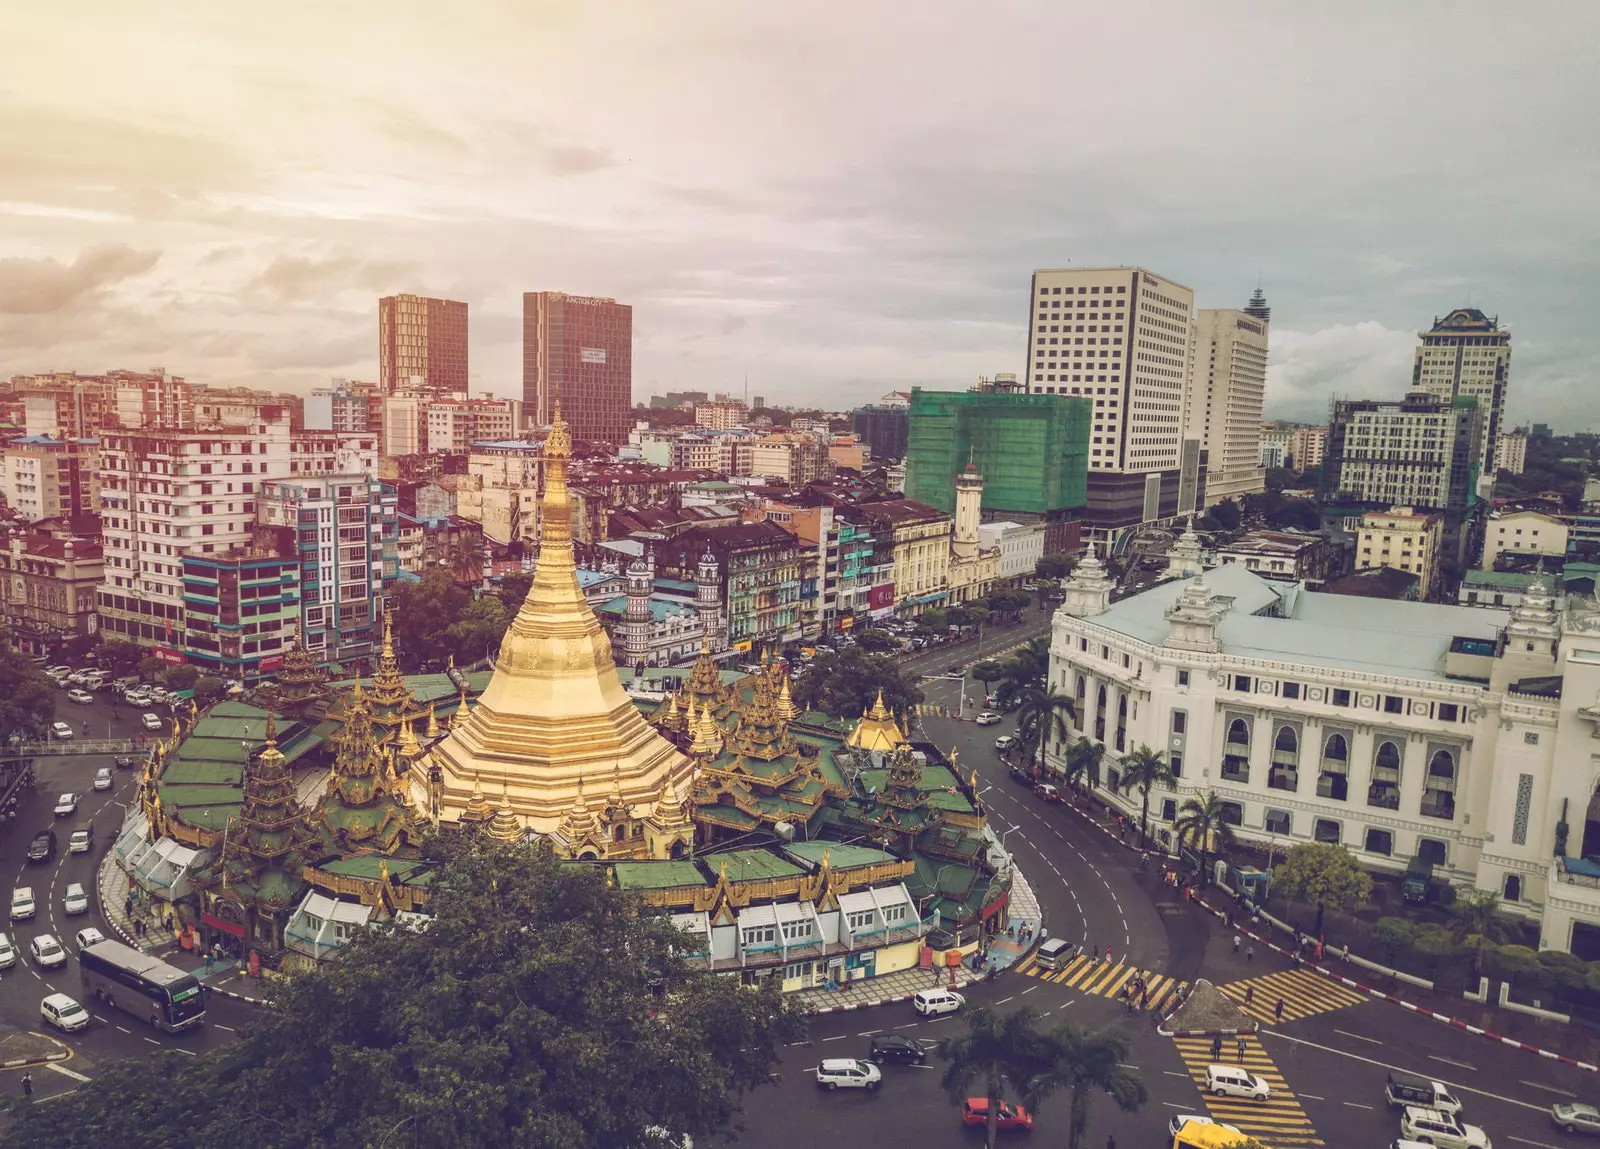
(1511, 452)
(46, 478)
(1467, 355)
(1222, 405)
(1416, 452)
(422, 345)
(883, 428)
(345, 406)
(578, 349)
(1120, 336)
(1401, 539)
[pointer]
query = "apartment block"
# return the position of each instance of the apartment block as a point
(1308, 447)
(422, 345)
(46, 478)
(1418, 452)
(1467, 355)
(351, 407)
(345, 535)
(1222, 405)
(790, 458)
(1511, 452)
(242, 607)
(720, 416)
(454, 425)
(759, 568)
(1121, 336)
(883, 428)
(579, 349)
(50, 587)
(1401, 539)
(1275, 448)
(168, 494)
(1523, 533)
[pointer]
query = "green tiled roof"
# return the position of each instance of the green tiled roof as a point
(747, 864)
(841, 855)
(369, 867)
(1498, 578)
(658, 875)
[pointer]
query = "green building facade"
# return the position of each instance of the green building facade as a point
(1033, 450)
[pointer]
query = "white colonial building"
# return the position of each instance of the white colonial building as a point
(1466, 735)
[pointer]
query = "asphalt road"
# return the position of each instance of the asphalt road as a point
(110, 1036)
(1332, 1062)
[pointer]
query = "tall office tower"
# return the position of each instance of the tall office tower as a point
(578, 348)
(1120, 336)
(1467, 354)
(422, 345)
(1222, 405)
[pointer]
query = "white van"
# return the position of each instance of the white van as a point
(1232, 1081)
(934, 1002)
(1055, 953)
(1441, 1129)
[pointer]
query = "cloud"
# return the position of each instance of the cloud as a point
(302, 278)
(39, 286)
(1306, 370)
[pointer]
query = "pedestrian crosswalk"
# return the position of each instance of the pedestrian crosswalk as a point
(1279, 1122)
(1303, 994)
(1107, 979)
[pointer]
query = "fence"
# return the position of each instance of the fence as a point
(58, 749)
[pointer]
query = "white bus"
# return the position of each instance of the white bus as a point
(131, 980)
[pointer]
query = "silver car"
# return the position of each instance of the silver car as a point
(1575, 1117)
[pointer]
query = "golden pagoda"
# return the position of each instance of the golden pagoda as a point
(389, 692)
(555, 713)
(877, 731)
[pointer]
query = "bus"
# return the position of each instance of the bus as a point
(131, 980)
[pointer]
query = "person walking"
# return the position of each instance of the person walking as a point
(1277, 1010)
(1108, 953)
(1216, 1048)
(1250, 952)
(1249, 995)
(1241, 1050)
(127, 906)
(27, 1086)
(1237, 942)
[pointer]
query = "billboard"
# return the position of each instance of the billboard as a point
(591, 354)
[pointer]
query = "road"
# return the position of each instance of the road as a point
(24, 985)
(1327, 1059)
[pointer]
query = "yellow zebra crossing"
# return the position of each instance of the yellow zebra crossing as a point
(1106, 979)
(1303, 993)
(1279, 1122)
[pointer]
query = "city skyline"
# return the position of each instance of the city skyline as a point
(832, 254)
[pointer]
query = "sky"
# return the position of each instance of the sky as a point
(832, 200)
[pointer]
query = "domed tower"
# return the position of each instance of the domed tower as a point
(635, 630)
(969, 504)
(708, 601)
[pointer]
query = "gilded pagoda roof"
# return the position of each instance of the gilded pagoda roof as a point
(877, 731)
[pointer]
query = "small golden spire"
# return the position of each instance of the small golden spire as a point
(478, 809)
(433, 722)
(786, 707)
(504, 826)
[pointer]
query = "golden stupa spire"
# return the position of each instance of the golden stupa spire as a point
(786, 707)
(478, 808)
(504, 826)
(406, 737)
(388, 686)
(877, 730)
(460, 716)
(433, 722)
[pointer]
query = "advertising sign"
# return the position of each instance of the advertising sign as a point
(591, 354)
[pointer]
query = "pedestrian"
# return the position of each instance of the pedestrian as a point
(1237, 942)
(1144, 997)
(1241, 1049)
(1277, 1010)
(127, 906)
(1216, 1048)
(1255, 916)
(1111, 1142)
(208, 963)
(1346, 951)
(27, 1085)
(1249, 994)
(1108, 953)
(1250, 952)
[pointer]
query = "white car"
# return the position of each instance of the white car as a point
(79, 695)
(76, 899)
(8, 953)
(60, 730)
(1232, 1081)
(1005, 742)
(58, 671)
(934, 1002)
(102, 778)
(62, 1012)
(988, 718)
(848, 1073)
(47, 951)
(1436, 1127)
(89, 936)
(150, 721)
(22, 905)
(66, 805)
(81, 841)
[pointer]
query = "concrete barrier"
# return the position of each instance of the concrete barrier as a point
(1530, 1010)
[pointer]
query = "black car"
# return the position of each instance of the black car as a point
(126, 761)
(43, 847)
(892, 1047)
(1023, 774)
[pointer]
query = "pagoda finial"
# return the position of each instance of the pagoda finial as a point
(433, 722)
(504, 827)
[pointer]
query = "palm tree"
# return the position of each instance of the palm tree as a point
(1086, 1062)
(1475, 921)
(1145, 768)
(1083, 760)
(1045, 713)
(996, 1051)
(1200, 823)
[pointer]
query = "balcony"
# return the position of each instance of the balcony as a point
(1235, 768)
(1438, 804)
(1384, 795)
(1333, 785)
(1283, 778)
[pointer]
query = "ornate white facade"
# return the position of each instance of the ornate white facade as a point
(1397, 728)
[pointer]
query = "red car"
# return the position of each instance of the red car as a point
(1047, 791)
(976, 1112)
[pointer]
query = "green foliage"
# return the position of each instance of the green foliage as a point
(1393, 934)
(1476, 922)
(1510, 962)
(1563, 971)
(208, 690)
(998, 1052)
(27, 696)
(180, 677)
(934, 621)
(1143, 769)
(1087, 1063)
(424, 611)
(876, 642)
(1324, 874)
(844, 683)
(1544, 471)
(151, 669)
(118, 658)
(1227, 515)
(1057, 566)
(989, 670)
(1199, 824)
(511, 592)
(529, 1012)
(1083, 761)
(477, 631)
(1435, 941)
(1044, 714)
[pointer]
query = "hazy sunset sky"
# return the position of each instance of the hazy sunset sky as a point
(838, 199)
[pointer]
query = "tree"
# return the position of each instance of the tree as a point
(27, 696)
(1393, 935)
(1200, 823)
(1323, 874)
(876, 642)
(1044, 713)
(118, 658)
(1227, 515)
(1476, 923)
(179, 677)
(988, 671)
(1145, 768)
(844, 683)
(1027, 667)
(477, 631)
(1301, 514)
(513, 589)
(424, 611)
(208, 690)
(470, 1031)
(466, 565)
(997, 1051)
(1509, 962)
(151, 668)
(1083, 761)
(1086, 1062)
(1053, 567)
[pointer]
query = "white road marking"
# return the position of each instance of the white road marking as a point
(1457, 1086)
(98, 1018)
(181, 1049)
(908, 1025)
(1175, 1073)
(1359, 1037)
(1457, 1064)
(1178, 1105)
(1540, 1144)
(1351, 1104)
(1003, 1000)
(838, 1038)
(1314, 1097)
(868, 1032)
(1548, 1089)
(152, 1041)
(1030, 989)
(120, 1029)
(64, 1071)
(230, 1028)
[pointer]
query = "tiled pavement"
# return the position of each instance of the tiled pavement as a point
(1303, 993)
(1279, 1122)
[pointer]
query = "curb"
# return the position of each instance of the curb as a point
(23, 1062)
(880, 1000)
